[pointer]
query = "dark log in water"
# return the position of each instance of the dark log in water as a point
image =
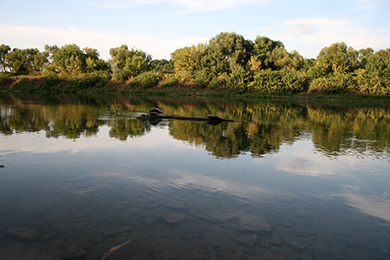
(211, 119)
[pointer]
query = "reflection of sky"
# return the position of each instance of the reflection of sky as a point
(301, 159)
(160, 162)
(40, 144)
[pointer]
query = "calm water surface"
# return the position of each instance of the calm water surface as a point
(284, 181)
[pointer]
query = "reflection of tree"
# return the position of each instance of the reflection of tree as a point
(264, 139)
(355, 130)
(25, 119)
(122, 129)
(260, 127)
(5, 115)
(70, 120)
(264, 127)
(225, 140)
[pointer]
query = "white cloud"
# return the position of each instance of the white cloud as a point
(371, 205)
(365, 4)
(266, 28)
(181, 179)
(74, 18)
(125, 4)
(187, 5)
(38, 36)
(311, 25)
(309, 167)
(316, 33)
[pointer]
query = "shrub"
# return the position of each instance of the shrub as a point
(332, 84)
(94, 79)
(369, 83)
(201, 78)
(184, 76)
(50, 82)
(169, 81)
(278, 81)
(214, 83)
(293, 81)
(120, 75)
(146, 80)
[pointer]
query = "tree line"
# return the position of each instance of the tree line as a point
(227, 61)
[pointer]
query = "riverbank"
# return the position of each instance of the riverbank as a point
(57, 85)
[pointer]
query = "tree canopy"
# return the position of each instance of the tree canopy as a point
(227, 60)
(4, 49)
(126, 63)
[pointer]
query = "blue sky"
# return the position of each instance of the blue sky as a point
(159, 27)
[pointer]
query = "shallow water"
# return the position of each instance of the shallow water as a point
(284, 181)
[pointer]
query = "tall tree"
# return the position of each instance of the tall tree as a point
(279, 58)
(263, 49)
(70, 59)
(229, 51)
(338, 57)
(190, 58)
(25, 60)
(379, 63)
(161, 65)
(4, 49)
(126, 63)
(51, 50)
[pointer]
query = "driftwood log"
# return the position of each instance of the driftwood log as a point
(155, 116)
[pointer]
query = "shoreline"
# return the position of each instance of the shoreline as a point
(39, 84)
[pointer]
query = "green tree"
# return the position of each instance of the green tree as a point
(40, 61)
(228, 52)
(126, 63)
(161, 65)
(263, 49)
(338, 58)
(364, 54)
(137, 64)
(70, 59)
(51, 50)
(279, 58)
(119, 56)
(379, 63)
(26, 60)
(4, 49)
(190, 58)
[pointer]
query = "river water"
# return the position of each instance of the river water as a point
(286, 180)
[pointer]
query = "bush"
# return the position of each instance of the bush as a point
(214, 83)
(95, 79)
(369, 83)
(120, 75)
(146, 80)
(184, 76)
(332, 84)
(278, 81)
(3, 79)
(169, 81)
(50, 82)
(293, 81)
(201, 78)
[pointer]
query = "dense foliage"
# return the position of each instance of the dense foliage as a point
(227, 61)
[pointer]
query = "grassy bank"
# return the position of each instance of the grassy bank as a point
(100, 84)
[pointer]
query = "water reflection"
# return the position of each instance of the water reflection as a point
(300, 182)
(260, 128)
